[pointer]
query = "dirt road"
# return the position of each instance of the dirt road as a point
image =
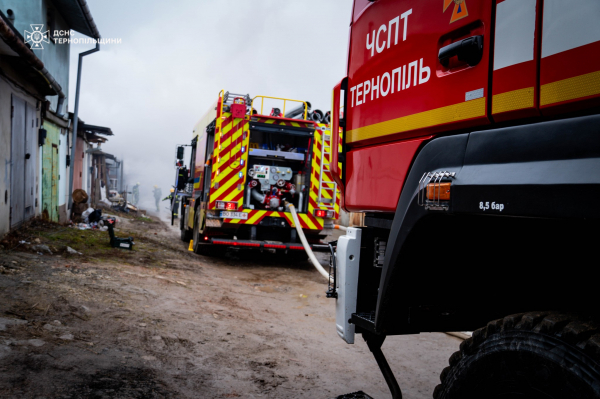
(162, 322)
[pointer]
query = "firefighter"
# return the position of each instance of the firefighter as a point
(173, 197)
(157, 194)
(182, 178)
(136, 194)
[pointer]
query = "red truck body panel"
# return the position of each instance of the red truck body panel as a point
(537, 60)
(397, 88)
(376, 174)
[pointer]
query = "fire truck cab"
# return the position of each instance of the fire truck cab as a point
(247, 166)
(472, 143)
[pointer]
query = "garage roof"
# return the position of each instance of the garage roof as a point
(78, 16)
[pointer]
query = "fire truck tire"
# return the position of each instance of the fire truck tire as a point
(201, 248)
(186, 235)
(196, 236)
(531, 355)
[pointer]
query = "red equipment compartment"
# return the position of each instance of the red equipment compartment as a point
(515, 92)
(238, 108)
(375, 175)
(402, 46)
(570, 63)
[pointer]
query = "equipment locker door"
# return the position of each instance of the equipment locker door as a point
(417, 67)
(570, 63)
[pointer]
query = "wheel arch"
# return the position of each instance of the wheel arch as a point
(524, 165)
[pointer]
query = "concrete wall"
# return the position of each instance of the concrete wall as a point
(54, 56)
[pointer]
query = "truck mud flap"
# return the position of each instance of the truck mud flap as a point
(347, 264)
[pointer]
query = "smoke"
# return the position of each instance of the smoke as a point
(174, 58)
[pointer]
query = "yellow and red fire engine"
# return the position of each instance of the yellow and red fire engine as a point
(246, 165)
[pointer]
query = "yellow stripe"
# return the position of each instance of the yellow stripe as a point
(569, 89)
(223, 172)
(308, 222)
(450, 113)
(512, 100)
(257, 216)
(222, 187)
(226, 128)
(231, 195)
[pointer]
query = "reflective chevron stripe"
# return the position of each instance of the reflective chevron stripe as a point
(229, 162)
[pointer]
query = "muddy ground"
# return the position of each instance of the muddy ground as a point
(162, 322)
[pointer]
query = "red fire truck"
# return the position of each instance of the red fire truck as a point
(246, 165)
(472, 143)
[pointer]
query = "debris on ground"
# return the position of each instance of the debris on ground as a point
(71, 251)
(162, 322)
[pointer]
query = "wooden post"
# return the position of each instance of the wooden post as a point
(357, 219)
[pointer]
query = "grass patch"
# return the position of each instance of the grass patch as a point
(78, 239)
(145, 219)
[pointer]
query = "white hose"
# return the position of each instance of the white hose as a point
(309, 251)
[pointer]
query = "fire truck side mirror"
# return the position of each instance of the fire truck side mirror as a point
(180, 152)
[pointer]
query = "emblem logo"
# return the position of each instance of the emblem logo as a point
(460, 9)
(37, 37)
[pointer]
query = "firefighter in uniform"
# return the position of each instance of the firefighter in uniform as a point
(157, 194)
(136, 194)
(173, 197)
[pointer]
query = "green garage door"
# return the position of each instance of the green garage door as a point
(50, 177)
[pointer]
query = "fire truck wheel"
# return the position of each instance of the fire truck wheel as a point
(186, 235)
(532, 355)
(196, 236)
(205, 249)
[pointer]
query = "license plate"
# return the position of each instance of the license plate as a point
(234, 215)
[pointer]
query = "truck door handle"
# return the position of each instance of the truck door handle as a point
(469, 50)
(335, 131)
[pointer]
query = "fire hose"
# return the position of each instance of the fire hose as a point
(305, 243)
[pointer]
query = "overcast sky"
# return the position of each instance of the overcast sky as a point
(176, 56)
